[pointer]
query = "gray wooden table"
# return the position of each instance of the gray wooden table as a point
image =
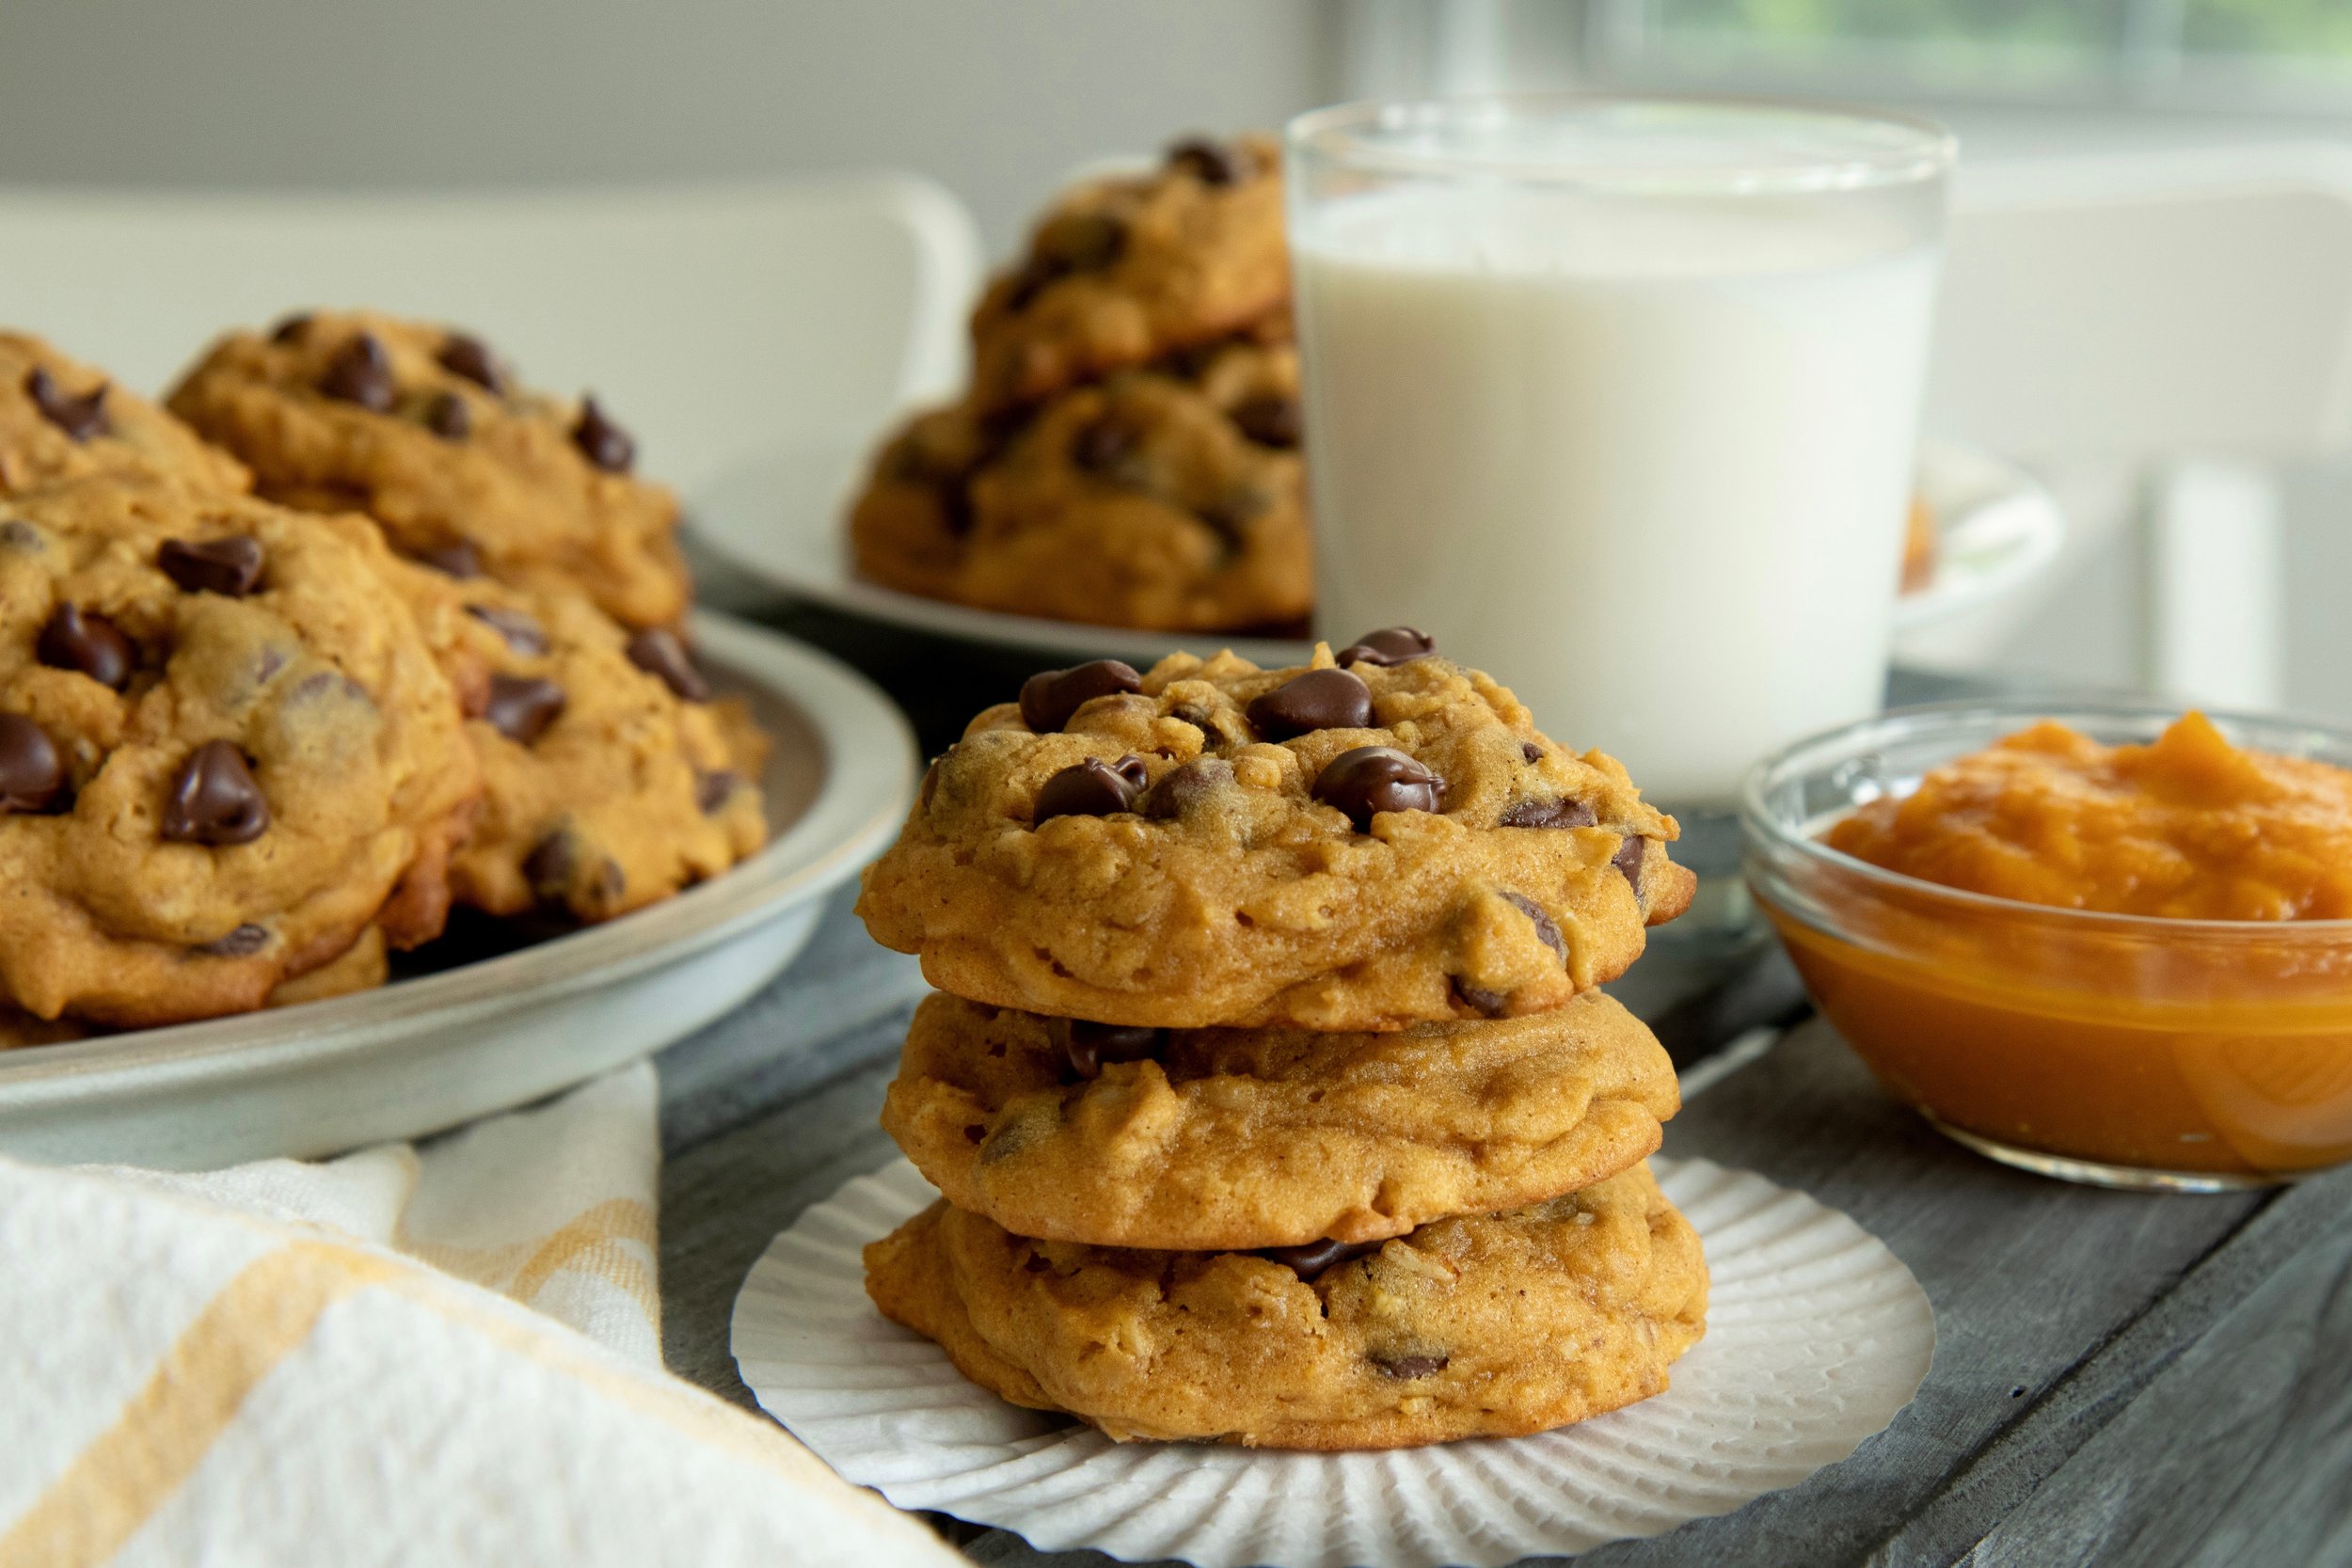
(2119, 1378)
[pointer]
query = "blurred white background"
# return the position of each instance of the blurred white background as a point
(997, 100)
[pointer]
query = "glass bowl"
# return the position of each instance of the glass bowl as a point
(2123, 1050)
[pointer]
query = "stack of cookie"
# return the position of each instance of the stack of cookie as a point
(1271, 1096)
(251, 741)
(1128, 452)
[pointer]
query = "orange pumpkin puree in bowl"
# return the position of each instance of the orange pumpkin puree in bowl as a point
(2154, 973)
(2189, 828)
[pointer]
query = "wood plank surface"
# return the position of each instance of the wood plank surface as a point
(2235, 1447)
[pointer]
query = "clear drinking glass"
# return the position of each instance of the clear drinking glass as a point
(1620, 398)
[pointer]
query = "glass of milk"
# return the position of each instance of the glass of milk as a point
(1620, 398)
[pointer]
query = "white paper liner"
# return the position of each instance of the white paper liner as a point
(1816, 1336)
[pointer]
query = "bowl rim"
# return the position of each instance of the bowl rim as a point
(1760, 828)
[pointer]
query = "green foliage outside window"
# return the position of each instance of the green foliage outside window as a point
(2044, 23)
(2272, 28)
(2322, 27)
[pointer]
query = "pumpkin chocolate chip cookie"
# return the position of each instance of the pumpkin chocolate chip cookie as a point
(424, 430)
(911, 527)
(1491, 1325)
(610, 776)
(1170, 498)
(228, 756)
(1208, 1139)
(1378, 839)
(1122, 270)
(61, 419)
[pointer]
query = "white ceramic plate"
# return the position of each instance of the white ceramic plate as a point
(1997, 530)
(432, 1051)
(778, 518)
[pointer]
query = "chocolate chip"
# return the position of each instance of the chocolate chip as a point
(1311, 1259)
(522, 706)
(1392, 1364)
(457, 558)
(1489, 1004)
(1192, 361)
(1082, 242)
(1029, 283)
(290, 328)
(1531, 751)
(956, 513)
(1090, 1047)
(18, 534)
(470, 357)
(1388, 646)
(232, 565)
(1071, 244)
(1185, 788)
(1546, 814)
(915, 462)
(602, 442)
(520, 631)
(215, 798)
(79, 418)
(715, 787)
(1102, 447)
(31, 773)
(658, 653)
(1230, 512)
(1547, 929)
(1628, 859)
(77, 639)
(1374, 779)
(1271, 420)
(448, 418)
(1091, 788)
(553, 867)
(1318, 700)
(549, 865)
(241, 942)
(1050, 698)
(361, 373)
(611, 883)
(1212, 163)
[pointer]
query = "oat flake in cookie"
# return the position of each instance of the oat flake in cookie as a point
(1493, 1325)
(1481, 871)
(229, 761)
(422, 428)
(1211, 1139)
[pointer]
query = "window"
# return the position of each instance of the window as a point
(2276, 56)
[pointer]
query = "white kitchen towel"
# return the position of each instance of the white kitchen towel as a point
(445, 1356)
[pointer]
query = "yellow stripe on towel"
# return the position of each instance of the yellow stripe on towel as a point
(256, 1322)
(590, 1243)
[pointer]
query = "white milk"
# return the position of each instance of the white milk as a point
(1645, 460)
